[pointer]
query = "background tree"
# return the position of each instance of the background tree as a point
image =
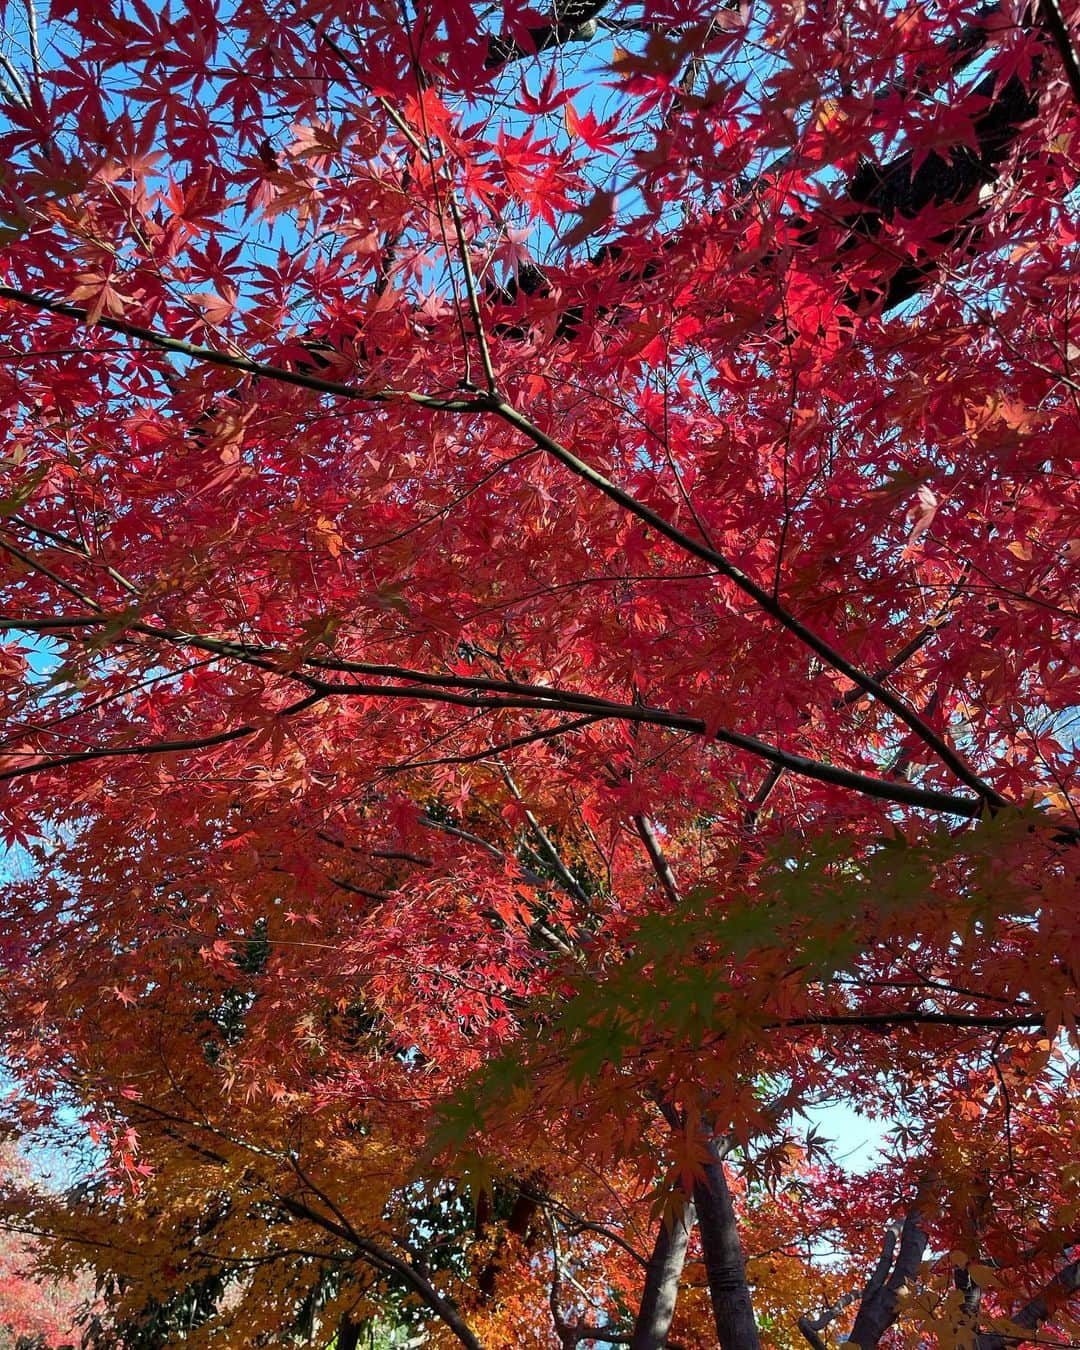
(35, 1313)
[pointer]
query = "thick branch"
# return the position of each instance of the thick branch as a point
(810, 1326)
(484, 693)
(879, 1305)
(1064, 1286)
(573, 22)
(1054, 22)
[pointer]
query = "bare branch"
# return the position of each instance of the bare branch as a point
(659, 861)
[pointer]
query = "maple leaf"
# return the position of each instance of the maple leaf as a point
(597, 136)
(550, 98)
(216, 308)
(920, 516)
(100, 296)
(593, 216)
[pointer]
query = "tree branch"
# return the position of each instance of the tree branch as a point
(153, 747)
(810, 1326)
(388, 1263)
(573, 22)
(485, 693)
(229, 361)
(1054, 22)
(762, 597)
(886, 1020)
(879, 1303)
(1064, 1286)
(657, 857)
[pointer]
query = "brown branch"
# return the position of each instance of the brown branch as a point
(388, 1263)
(148, 748)
(1064, 1286)
(761, 597)
(1055, 25)
(900, 658)
(244, 364)
(575, 1223)
(903, 793)
(879, 1305)
(547, 849)
(657, 857)
(485, 693)
(885, 1020)
(498, 747)
(337, 1224)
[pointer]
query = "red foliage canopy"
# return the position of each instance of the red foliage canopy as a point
(539, 560)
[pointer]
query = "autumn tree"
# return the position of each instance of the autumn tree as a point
(35, 1313)
(539, 555)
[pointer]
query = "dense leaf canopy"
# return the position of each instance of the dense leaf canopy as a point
(538, 556)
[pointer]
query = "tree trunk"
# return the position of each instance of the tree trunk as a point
(662, 1276)
(733, 1310)
(518, 1224)
(348, 1334)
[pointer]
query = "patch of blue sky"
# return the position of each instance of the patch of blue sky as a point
(854, 1140)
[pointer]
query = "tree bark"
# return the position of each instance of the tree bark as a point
(518, 1224)
(725, 1265)
(810, 1326)
(662, 1276)
(880, 1299)
(348, 1334)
